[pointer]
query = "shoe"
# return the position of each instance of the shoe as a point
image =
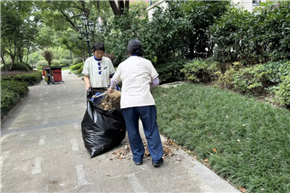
(158, 164)
(138, 163)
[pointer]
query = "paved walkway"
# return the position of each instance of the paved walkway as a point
(42, 150)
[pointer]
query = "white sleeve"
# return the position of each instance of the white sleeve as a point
(111, 67)
(152, 71)
(86, 69)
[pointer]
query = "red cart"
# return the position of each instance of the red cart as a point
(56, 75)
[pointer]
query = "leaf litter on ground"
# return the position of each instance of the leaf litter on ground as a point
(168, 148)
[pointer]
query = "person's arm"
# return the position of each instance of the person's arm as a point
(87, 82)
(113, 85)
(154, 82)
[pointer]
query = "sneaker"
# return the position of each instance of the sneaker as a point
(138, 163)
(157, 164)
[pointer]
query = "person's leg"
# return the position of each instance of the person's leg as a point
(148, 115)
(131, 120)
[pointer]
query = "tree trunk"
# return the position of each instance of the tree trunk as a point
(119, 10)
(114, 7)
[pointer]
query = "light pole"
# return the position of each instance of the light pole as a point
(89, 27)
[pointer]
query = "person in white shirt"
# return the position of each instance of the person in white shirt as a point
(138, 75)
(98, 70)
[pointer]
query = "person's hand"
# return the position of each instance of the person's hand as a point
(88, 88)
(110, 90)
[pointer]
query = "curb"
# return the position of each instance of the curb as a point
(11, 111)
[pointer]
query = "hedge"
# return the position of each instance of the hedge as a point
(76, 66)
(18, 66)
(31, 78)
(15, 86)
(8, 100)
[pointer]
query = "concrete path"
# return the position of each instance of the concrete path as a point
(42, 150)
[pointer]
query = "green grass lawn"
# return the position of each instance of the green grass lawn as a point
(245, 141)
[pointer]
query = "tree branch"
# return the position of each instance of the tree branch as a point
(68, 19)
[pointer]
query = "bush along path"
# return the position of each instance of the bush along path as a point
(243, 140)
(14, 86)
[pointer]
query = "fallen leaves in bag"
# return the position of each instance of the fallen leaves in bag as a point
(111, 100)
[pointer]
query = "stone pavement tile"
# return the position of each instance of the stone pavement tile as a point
(58, 159)
(22, 166)
(212, 180)
(117, 184)
(62, 178)
(168, 178)
(88, 187)
(21, 182)
(9, 142)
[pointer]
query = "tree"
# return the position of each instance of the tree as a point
(18, 29)
(48, 57)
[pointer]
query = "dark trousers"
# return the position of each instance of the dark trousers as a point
(148, 117)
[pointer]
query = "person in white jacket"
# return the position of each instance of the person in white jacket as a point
(98, 70)
(138, 75)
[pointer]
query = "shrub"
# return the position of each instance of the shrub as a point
(76, 66)
(170, 71)
(254, 37)
(8, 100)
(78, 60)
(64, 62)
(79, 71)
(199, 70)
(252, 80)
(283, 92)
(18, 66)
(225, 80)
(30, 78)
(277, 70)
(15, 86)
(55, 63)
(40, 64)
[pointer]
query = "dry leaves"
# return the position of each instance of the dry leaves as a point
(242, 189)
(214, 149)
(168, 148)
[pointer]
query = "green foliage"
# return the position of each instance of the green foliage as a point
(170, 71)
(8, 100)
(162, 40)
(283, 91)
(55, 63)
(79, 71)
(244, 132)
(15, 86)
(200, 70)
(18, 66)
(77, 61)
(252, 80)
(18, 31)
(225, 80)
(64, 62)
(277, 70)
(41, 64)
(255, 37)
(77, 66)
(31, 78)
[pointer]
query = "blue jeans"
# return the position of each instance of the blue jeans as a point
(148, 117)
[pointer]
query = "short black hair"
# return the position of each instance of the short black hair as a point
(98, 46)
(135, 47)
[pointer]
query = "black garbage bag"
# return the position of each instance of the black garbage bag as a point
(102, 130)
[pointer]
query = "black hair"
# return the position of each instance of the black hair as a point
(135, 47)
(98, 46)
